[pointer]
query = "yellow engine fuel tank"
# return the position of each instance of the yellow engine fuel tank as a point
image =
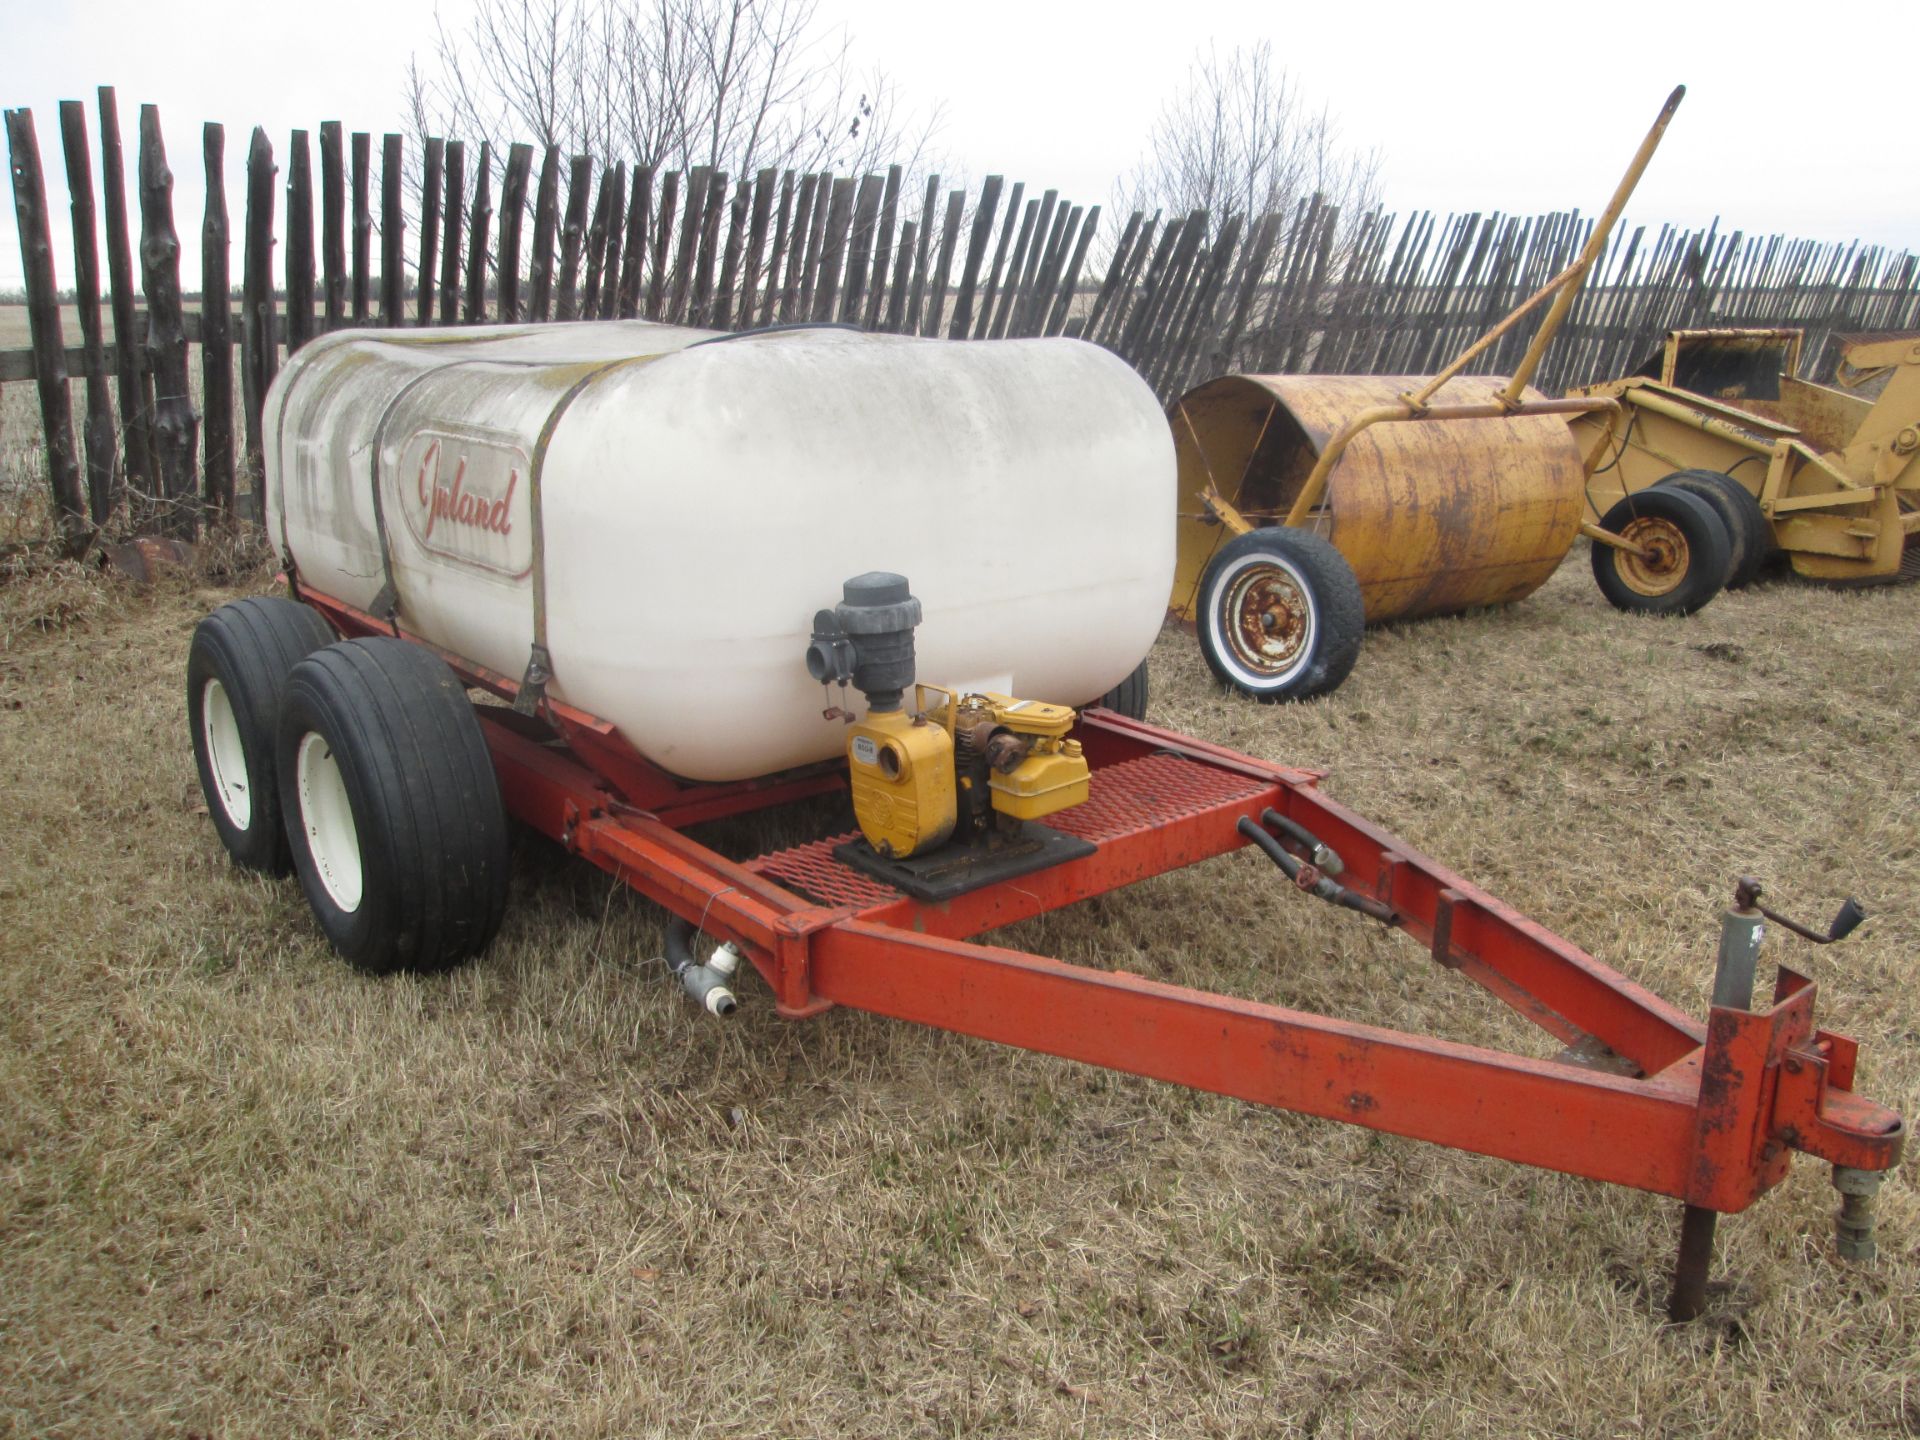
(1435, 515)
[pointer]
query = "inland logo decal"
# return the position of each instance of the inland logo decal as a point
(465, 499)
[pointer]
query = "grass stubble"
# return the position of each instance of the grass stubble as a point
(246, 1191)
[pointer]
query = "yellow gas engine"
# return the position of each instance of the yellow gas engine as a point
(946, 795)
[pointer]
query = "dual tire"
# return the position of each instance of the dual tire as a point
(1749, 534)
(360, 764)
(1685, 552)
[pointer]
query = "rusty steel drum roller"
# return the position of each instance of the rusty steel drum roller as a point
(1419, 495)
(1434, 517)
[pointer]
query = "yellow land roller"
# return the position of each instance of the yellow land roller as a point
(1312, 505)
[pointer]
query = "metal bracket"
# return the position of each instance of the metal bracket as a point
(533, 684)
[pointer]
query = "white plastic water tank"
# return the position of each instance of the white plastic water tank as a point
(693, 499)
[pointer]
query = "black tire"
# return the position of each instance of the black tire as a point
(1129, 697)
(1739, 511)
(392, 806)
(1687, 563)
(1301, 597)
(237, 667)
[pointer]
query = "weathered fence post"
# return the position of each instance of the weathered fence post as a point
(613, 182)
(730, 262)
(996, 324)
(902, 272)
(216, 330)
(43, 319)
(949, 233)
(86, 293)
(259, 354)
(393, 235)
(763, 184)
(429, 228)
(976, 248)
(450, 230)
(866, 216)
(999, 259)
(790, 302)
(129, 347)
(333, 225)
(176, 429)
(639, 222)
(780, 242)
(545, 219)
(579, 195)
(299, 242)
(362, 226)
(883, 246)
(922, 248)
(832, 251)
(709, 242)
(689, 240)
(615, 232)
(474, 308)
(513, 209)
(662, 234)
(1062, 313)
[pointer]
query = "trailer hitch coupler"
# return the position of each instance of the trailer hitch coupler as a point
(1853, 1223)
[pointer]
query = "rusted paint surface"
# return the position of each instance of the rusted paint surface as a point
(1434, 516)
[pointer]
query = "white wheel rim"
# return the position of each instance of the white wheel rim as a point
(226, 756)
(1270, 663)
(326, 816)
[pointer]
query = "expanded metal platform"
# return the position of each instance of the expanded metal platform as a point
(1124, 801)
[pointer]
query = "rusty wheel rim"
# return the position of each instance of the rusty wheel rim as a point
(1269, 620)
(1664, 565)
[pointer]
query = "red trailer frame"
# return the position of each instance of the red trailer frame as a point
(1708, 1114)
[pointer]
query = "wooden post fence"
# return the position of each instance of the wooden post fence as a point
(1180, 297)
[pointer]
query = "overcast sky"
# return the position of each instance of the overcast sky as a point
(1519, 108)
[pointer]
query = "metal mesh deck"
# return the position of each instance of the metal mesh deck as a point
(1123, 800)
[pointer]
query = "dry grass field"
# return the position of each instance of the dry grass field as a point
(244, 1191)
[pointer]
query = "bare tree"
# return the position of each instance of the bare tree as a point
(1238, 137)
(739, 84)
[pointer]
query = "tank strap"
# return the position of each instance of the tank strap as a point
(533, 683)
(386, 604)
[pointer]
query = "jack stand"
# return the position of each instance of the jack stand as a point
(1689, 1296)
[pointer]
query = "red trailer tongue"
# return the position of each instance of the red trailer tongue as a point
(1643, 1094)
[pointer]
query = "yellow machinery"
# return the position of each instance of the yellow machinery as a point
(1311, 505)
(1830, 477)
(948, 796)
(1433, 518)
(974, 763)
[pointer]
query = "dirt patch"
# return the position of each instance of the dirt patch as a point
(244, 1191)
